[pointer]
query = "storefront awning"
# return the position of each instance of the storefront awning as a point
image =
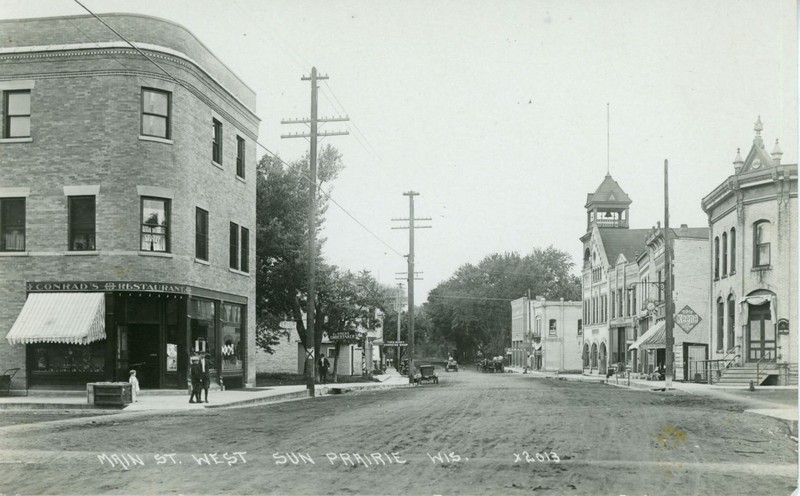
(70, 318)
(655, 337)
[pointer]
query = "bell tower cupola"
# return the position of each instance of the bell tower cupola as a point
(609, 206)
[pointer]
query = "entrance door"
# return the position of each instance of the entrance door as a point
(694, 364)
(760, 334)
(143, 354)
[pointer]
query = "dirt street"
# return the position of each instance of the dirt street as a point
(470, 434)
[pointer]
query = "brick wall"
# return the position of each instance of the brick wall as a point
(85, 123)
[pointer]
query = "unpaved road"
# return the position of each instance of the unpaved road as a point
(497, 432)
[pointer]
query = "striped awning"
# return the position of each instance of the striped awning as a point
(655, 337)
(70, 318)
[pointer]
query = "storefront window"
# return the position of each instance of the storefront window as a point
(202, 318)
(232, 359)
(76, 359)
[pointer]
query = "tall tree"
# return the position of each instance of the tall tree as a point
(282, 241)
(471, 310)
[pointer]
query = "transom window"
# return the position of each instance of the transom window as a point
(762, 236)
(216, 141)
(155, 113)
(155, 224)
(81, 223)
(12, 224)
(17, 112)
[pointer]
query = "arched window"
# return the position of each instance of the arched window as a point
(731, 322)
(724, 254)
(720, 325)
(733, 250)
(593, 363)
(586, 356)
(762, 237)
(716, 257)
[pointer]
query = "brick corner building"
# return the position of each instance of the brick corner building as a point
(127, 205)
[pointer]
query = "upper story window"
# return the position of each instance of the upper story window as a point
(17, 112)
(552, 331)
(724, 254)
(155, 224)
(244, 241)
(156, 113)
(201, 234)
(81, 223)
(580, 327)
(216, 143)
(239, 248)
(12, 224)
(716, 257)
(733, 250)
(762, 236)
(240, 156)
(234, 246)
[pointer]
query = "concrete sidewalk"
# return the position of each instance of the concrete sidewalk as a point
(175, 400)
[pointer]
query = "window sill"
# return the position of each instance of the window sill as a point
(240, 178)
(28, 139)
(761, 268)
(92, 253)
(217, 165)
(156, 139)
(235, 271)
(160, 254)
(202, 262)
(13, 253)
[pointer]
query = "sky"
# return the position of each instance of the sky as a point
(503, 115)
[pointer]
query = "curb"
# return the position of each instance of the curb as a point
(265, 399)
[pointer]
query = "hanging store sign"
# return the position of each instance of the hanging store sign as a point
(84, 286)
(783, 326)
(343, 336)
(395, 343)
(687, 319)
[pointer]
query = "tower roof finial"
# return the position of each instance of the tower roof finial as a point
(738, 160)
(758, 128)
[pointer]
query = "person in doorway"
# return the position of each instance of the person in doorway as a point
(196, 376)
(134, 386)
(205, 377)
(323, 364)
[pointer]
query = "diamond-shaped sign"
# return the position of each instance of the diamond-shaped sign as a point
(687, 319)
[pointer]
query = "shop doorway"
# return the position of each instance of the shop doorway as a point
(143, 356)
(761, 343)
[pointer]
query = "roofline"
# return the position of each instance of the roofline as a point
(143, 16)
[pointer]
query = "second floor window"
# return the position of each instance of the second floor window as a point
(716, 257)
(17, 112)
(12, 224)
(762, 236)
(240, 156)
(81, 223)
(216, 142)
(552, 331)
(201, 234)
(724, 254)
(155, 224)
(244, 259)
(733, 251)
(234, 245)
(155, 113)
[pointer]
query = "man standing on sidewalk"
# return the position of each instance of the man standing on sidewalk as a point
(323, 364)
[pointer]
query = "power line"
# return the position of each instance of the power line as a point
(258, 143)
(450, 297)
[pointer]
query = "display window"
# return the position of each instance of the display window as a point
(231, 350)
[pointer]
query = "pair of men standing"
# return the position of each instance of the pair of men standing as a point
(198, 373)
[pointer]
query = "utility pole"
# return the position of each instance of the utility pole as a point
(668, 323)
(312, 135)
(411, 276)
(399, 307)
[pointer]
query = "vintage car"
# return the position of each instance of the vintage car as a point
(452, 365)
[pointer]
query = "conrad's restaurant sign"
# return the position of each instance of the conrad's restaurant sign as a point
(86, 286)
